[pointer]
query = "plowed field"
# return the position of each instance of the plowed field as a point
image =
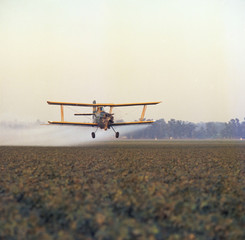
(124, 190)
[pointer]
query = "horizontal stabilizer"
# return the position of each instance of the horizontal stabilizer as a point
(84, 114)
(74, 123)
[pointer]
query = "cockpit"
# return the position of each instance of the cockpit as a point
(100, 109)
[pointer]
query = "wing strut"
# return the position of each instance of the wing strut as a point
(111, 107)
(143, 113)
(62, 113)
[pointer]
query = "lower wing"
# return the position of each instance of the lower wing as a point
(74, 123)
(131, 123)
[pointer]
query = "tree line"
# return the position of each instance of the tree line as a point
(177, 129)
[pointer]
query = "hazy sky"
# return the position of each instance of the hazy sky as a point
(188, 54)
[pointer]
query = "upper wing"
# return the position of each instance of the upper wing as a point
(74, 123)
(131, 123)
(131, 104)
(102, 104)
(74, 104)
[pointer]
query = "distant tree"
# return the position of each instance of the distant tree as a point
(172, 128)
(189, 130)
(160, 129)
(233, 129)
(180, 129)
(200, 132)
(211, 130)
(226, 132)
(243, 129)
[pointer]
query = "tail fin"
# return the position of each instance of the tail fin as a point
(94, 111)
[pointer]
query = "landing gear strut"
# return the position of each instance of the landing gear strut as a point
(117, 133)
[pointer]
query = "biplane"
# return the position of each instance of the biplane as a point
(101, 118)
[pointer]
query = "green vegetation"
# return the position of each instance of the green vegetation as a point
(124, 190)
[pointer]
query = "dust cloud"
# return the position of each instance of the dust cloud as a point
(51, 135)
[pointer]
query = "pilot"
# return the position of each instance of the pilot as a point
(100, 109)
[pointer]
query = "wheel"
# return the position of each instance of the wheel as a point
(93, 134)
(117, 134)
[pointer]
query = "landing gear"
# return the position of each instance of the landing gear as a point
(117, 133)
(93, 133)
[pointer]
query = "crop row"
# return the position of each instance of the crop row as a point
(123, 191)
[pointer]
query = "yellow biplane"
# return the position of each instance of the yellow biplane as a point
(101, 119)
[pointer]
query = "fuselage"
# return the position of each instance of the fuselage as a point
(103, 119)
